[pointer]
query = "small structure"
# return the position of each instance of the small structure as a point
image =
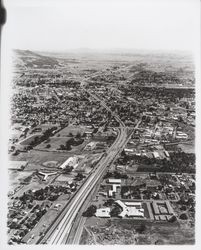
(17, 165)
(45, 175)
(90, 146)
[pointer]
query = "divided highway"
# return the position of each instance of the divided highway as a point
(59, 231)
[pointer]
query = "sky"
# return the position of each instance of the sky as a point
(130, 24)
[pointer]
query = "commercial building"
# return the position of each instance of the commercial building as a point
(114, 181)
(103, 212)
(131, 209)
(70, 162)
(162, 209)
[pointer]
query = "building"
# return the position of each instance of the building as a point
(103, 212)
(166, 154)
(134, 212)
(162, 209)
(138, 205)
(131, 209)
(17, 165)
(112, 192)
(90, 146)
(114, 181)
(70, 162)
(46, 175)
(156, 155)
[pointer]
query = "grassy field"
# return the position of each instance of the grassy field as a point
(36, 158)
(54, 143)
(30, 139)
(70, 130)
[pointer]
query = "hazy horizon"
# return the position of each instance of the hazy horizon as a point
(102, 25)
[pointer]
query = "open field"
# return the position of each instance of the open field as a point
(119, 231)
(30, 139)
(187, 148)
(15, 177)
(70, 130)
(54, 143)
(36, 158)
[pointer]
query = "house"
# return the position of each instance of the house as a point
(113, 190)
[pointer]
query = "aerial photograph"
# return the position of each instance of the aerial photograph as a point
(102, 124)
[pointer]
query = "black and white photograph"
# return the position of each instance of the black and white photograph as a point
(99, 123)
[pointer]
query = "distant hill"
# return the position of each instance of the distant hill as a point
(30, 59)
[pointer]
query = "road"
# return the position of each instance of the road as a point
(59, 231)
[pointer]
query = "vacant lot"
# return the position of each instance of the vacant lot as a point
(187, 148)
(15, 177)
(124, 231)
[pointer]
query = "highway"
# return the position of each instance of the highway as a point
(59, 231)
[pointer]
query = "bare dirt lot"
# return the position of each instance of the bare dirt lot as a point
(123, 231)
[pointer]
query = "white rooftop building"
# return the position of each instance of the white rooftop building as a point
(131, 209)
(70, 162)
(103, 212)
(114, 181)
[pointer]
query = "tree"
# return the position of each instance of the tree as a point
(78, 135)
(172, 218)
(183, 208)
(62, 147)
(109, 203)
(90, 211)
(68, 146)
(141, 228)
(115, 211)
(70, 134)
(183, 216)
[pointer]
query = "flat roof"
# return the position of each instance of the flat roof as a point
(133, 203)
(17, 164)
(114, 180)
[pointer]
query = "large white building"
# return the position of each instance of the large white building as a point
(131, 209)
(70, 162)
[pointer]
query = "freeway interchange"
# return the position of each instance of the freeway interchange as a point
(60, 229)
